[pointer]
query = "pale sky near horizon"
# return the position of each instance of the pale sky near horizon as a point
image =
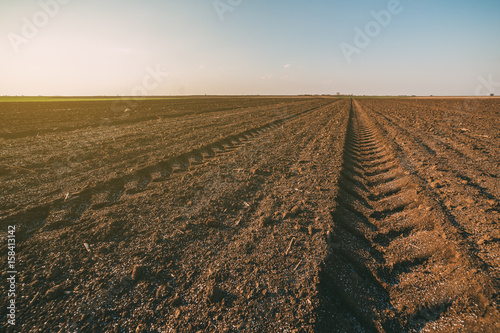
(249, 47)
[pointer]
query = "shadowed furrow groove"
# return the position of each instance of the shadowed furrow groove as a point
(389, 249)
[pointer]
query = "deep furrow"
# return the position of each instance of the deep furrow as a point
(391, 247)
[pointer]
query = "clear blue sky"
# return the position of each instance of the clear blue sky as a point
(90, 47)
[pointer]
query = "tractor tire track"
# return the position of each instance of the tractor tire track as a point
(70, 209)
(396, 263)
(452, 187)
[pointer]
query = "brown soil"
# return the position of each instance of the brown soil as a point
(253, 215)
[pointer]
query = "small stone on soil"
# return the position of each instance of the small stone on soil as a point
(310, 230)
(176, 301)
(264, 221)
(215, 294)
(54, 292)
(137, 272)
(212, 222)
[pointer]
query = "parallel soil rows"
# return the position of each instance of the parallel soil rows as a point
(460, 135)
(463, 178)
(396, 263)
(46, 167)
(221, 225)
(275, 215)
(65, 211)
(23, 120)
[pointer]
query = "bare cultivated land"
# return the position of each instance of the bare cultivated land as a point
(252, 214)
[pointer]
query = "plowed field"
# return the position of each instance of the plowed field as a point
(299, 214)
